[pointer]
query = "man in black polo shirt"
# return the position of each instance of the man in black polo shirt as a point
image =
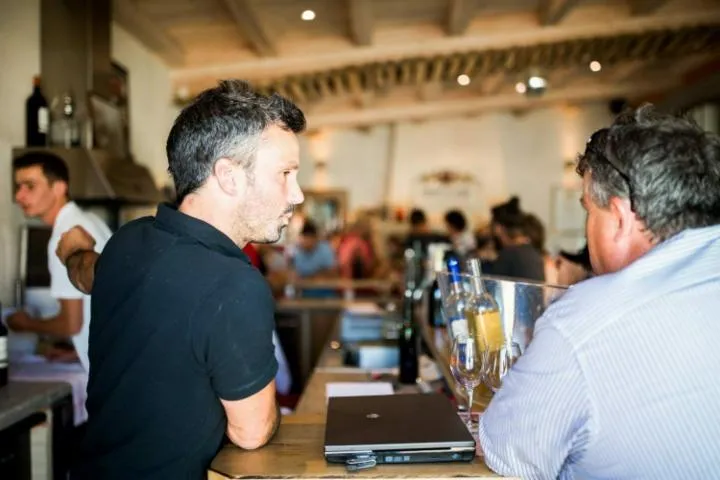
(181, 340)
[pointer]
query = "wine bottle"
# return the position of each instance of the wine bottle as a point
(482, 312)
(37, 117)
(408, 339)
(3, 354)
(456, 301)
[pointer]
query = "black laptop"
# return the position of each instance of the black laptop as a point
(412, 428)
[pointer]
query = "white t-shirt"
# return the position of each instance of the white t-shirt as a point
(60, 285)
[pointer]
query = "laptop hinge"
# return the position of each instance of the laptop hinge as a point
(360, 462)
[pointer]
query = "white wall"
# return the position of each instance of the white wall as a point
(506, 154)
(19, 61)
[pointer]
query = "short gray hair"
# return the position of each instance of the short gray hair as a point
(666, 165)
(225, 121)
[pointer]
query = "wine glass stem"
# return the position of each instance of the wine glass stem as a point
(470, 391)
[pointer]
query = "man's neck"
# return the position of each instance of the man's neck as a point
(201, 208)
(51, 215)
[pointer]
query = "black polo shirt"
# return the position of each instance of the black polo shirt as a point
(180, 319)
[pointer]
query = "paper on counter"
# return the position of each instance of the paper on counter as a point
(357, 389)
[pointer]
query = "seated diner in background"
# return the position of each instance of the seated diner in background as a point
(620, 379)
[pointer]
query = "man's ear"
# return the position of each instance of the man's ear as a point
(623, 217)
(60, 188)
(225, 173)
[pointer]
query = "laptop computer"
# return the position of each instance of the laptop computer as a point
(368, 430)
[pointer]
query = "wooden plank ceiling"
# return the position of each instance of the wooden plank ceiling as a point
(361, 62)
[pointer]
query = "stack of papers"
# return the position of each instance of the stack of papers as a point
(358, 389)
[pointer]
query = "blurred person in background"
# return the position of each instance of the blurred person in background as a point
(355, 255)
(573, 268)
(314, 257)
(462, 239)
(535, 231)
(517, 258)
(621, 374)
(420, 233)
(42, 182)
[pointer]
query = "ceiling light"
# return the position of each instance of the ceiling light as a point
(536, 82)
(463, 80)
(308, 15)
(520, 87)
(595, 66)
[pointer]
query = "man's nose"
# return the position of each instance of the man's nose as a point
(296, 195)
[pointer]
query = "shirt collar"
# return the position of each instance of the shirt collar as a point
(170, 218)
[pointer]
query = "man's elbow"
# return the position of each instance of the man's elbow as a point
(248, 441)
(72, 328)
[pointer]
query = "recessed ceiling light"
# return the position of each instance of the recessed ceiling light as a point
(595, 66)
(520, 87)
(536, 82)
(308, 15)
(463, 80)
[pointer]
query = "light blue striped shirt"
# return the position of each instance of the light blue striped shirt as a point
(622, 378)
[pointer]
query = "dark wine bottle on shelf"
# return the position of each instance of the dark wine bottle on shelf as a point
(4, 361)
(409, 338)
(37, 117)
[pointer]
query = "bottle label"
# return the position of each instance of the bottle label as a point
(459, 327)
(3, 352)
(43, 120)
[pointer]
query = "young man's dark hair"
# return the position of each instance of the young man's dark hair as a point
(534, 229)
(309, 229)
(224, 122)
(456, 220)
(417, 218)
(53, 167)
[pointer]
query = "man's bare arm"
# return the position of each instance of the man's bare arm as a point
(253, 421)
(65, 324)
(81, 269)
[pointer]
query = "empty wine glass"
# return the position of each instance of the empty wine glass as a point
(466, 365)
(497, 362)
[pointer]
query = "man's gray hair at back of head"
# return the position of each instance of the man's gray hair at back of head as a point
(666, 165)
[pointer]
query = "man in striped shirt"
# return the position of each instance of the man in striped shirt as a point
(621, 378)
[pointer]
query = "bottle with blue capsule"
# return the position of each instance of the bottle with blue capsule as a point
(457, 300)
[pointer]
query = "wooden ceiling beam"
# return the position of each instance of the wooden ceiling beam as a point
(361, 21)
(249, 27)
(476, 104)
(273, 67)
(139, 26)
(459, 16)
(645, 7)
(553, 11)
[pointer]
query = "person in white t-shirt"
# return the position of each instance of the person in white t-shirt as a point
(41, 190)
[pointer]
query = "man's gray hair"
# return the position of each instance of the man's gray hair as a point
(225, 121)
(666, 165)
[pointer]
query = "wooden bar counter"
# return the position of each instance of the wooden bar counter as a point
(297, 449)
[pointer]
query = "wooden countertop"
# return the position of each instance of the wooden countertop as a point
(297, 449)
(297, 452)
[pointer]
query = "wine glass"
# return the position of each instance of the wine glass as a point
(497, 362)
(466, 365)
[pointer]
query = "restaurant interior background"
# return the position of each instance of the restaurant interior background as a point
(409, 102)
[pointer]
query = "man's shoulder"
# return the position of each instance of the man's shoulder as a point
(587, 307)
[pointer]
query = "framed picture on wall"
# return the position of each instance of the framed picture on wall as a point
(326, 208)
(120, 94)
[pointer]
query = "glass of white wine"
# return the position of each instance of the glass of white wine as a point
(497, 362)
(466, 365)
